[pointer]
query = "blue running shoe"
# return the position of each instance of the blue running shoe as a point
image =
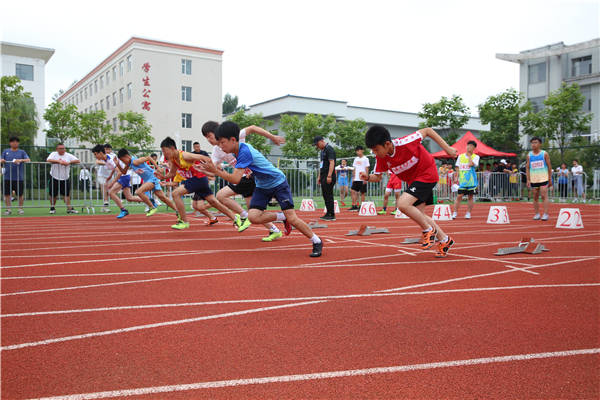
(153, 202)
(123, 214)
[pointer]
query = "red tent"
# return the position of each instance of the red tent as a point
(482, 150)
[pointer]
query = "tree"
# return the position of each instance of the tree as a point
(502, 113)
(347, 135)
(63, 120)
(230, 104)
(135, 132)
(92, 127)
(446, 116)
(260, 143)
(300, 133)
(19, 116)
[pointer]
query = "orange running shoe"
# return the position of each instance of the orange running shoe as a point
(212, 221)
(443, 248)
(428, 239)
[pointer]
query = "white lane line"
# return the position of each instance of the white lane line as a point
(149, 326)
(275, 300)
(117, 283)
(522, 270)
(122, 273)
(325, 375)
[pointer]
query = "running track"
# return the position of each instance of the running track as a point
(98, 308)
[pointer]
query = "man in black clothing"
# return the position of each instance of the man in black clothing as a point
(326, 176)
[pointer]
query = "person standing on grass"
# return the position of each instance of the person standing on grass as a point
(59, 177)
(359, 187)
(467, 164)
(411, 162)
(539, 176)
(327, 176)
(578, 184)
(14, 173)
(342, 179)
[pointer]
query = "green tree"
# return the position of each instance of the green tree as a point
(446, 116)
(93, 128)
(300, 132)
(347, 135)
(230, 104)
(502, 113)
(63, 120)
(134, 132)
(260, 143)
(18, 116)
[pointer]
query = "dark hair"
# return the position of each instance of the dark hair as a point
(98, 149)
(60, 144)
(228, 130)
(13, 139)
(122, 152)
(196, 143)
(168, 142)
(153, 155)
(208, 127)
(536, 138)
(474, 143)
(377, 134)
(576, 160)
(359, 147)
(108, 146)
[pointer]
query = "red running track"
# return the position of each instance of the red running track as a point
(102, 308)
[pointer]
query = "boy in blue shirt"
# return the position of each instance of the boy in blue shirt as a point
(12, 160)
(270, 182)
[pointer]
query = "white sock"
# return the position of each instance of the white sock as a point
(444, 240)
(315, 239)
(427, 230)
(244, 214)
(274, 229)
(280, 216)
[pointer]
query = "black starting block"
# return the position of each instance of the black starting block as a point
(526, 245)
(365, 230)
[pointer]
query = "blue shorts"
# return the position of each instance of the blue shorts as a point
(156, 182)
(124, 181)
(198, 186)
(342, 181)
(282, 192)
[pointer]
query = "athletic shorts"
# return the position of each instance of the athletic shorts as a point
(198, 186)
(62, 187)
(282, 194)
(245, 187)
(359, 186)
(9, 186)
(467, 191)
(342, 181)
(423, 191)
(539, 184)
(124, 181)
(156, 182)
(394, 183)
(102, 179)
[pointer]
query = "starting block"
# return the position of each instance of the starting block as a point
(526, 245)
(316, 225)
(365, 230)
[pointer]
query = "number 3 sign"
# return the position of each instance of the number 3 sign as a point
(569, 218)
(498, 215)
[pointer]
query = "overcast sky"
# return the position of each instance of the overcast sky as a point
(384, 54)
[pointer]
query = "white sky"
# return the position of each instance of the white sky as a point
(384, 54)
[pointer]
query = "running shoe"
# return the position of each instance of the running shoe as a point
(394, 212)
(428, 239)
(7, 211)
(245, 225)
(443, 248)
(454, 215)
(72, 211)
(151, 212)
(343, 204)
(52, 211)
(237, 221)
(328, 217)
(536, 217)
(382, 212)
(545, 217)
(123, 214)
(468, 215)
(153, 202)
(181, 225)
(287, 227)
(21, 211)
(317, 249)
(212, 221)
(272, 236)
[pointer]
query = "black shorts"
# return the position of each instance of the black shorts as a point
(198, 186)
(469, 191)
(9, 186)
(359, 186)
(423, 191)
(538, 184)
(245, 187)
(62, 187)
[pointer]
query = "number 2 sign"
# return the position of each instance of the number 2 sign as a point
(498, 215)
(569, 218)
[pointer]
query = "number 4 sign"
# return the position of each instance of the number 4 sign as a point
(498, 215)
(367, 209)
(569, 218)
(442, 212)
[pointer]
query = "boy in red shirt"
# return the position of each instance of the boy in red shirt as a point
(411, 162)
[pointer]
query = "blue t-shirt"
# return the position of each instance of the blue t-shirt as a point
(143, 170)
(266, 175)
(14, 172)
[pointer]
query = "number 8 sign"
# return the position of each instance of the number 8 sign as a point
(498, 215)
(569, 218)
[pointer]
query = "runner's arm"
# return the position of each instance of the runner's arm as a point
(278, 140)
(425, 132)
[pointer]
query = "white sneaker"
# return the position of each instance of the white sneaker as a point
(21, 211)
(158, 203)
(7, 211)
(52, 211)
(575, 200)
(545, 217)
(454, 215)
(536, 217)
(146, 209)
(583, 201)
(468, 215)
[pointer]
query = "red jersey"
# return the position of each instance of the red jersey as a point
(410, 161)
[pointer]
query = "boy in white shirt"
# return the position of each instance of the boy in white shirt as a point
(577, 172)
(359, 187)
(60, 172)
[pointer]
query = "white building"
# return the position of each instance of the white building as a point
(28, 63)
(399, 123)
(177, 87)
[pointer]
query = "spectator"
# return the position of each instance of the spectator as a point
(578, 184)
(467, 164)
(14, 169)
(359, 187)
(486, 179)
(59, 177)
(327, 176)
(513, 181)
(563, 181)
(104, 175)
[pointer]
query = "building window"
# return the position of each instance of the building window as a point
(186, 145)
(96, 86)
(537, 103)
(107, 78)
(102, 104)
(537, 73)
(581, 66)
(586, 91)
(121, 91)
(115, 99)
(85, 93)
(129, 91)
(186, 120)
(186, 67)
(95, 106)
(186, 93)
(121, 68)
(108, 102)
(114, 73)
(101, 82)
(128, 63)
(24, 72)
(114, 124)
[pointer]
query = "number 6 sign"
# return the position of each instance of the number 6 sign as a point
(569, 218)
(367, 209)
(498, 215)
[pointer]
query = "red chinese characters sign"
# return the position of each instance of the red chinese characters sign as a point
(146, 91)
